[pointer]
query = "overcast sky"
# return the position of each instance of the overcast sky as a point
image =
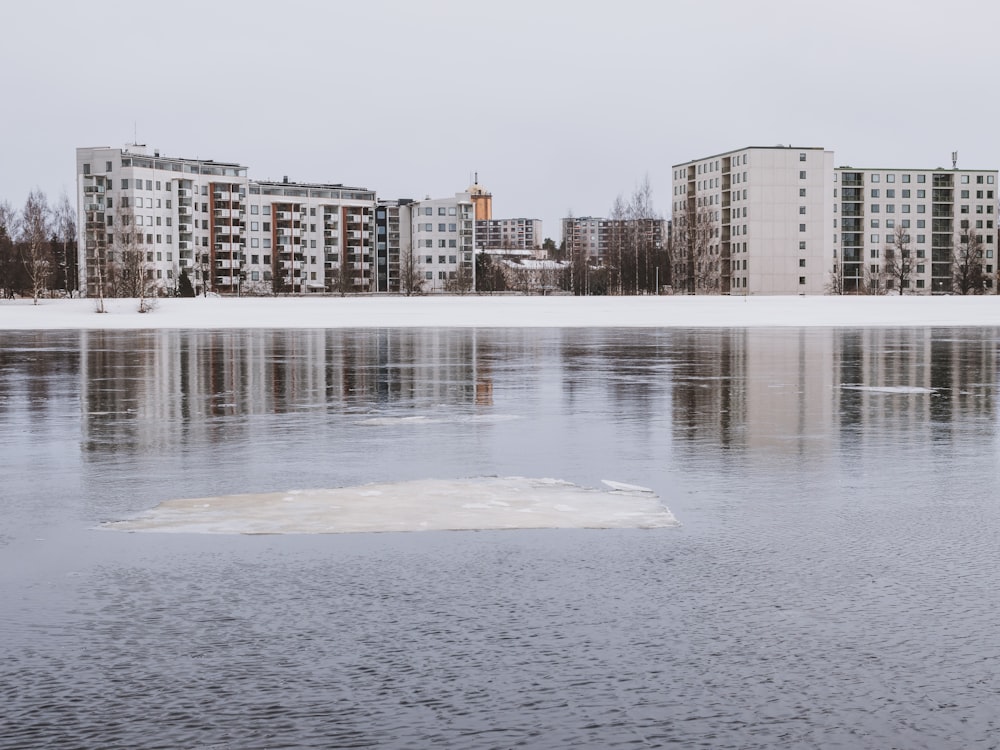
(559, 106)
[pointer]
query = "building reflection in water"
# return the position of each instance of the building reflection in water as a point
(795, 392)
(140, 389)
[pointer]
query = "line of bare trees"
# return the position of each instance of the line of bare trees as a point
(965, 263)
(38, 248)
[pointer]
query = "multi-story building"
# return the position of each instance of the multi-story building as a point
(228, 233)
(441, 241)
(783, 220)
(922, 214)
(516, 235)
(170, 214)
(758, 220)
(586, 236)
(310, 237)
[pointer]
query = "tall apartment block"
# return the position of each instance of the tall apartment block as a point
(757, 220)
(228, 233)
(928, 210)
(522, 236)
(783, 220)
(441, 240)
(181, 213)
(587, 235)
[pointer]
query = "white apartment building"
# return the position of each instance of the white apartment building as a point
(523, 235)
(757, 220)
(928, 209)
(441, 240)
(301, 235)
(181, 213)
(230, 234)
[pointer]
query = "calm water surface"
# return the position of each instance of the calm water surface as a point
(834, 583)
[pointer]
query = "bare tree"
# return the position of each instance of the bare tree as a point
(462, 280)
(643, 224)
(967, 263)
(615, 260)
(36, 251)
(9, 265)
(874, 280)
(64, 220)
(410, 281)
(898, 261)
(132, 267)
(696, 267)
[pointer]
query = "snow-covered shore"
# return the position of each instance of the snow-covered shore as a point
(508, 311)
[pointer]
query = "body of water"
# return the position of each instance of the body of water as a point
(833, 582)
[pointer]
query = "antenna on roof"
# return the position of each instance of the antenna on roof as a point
(954, 159)
(477, 179)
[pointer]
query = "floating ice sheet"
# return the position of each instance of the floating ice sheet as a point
(888, 388)
(419, 505)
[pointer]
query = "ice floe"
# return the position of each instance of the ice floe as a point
(418, 505)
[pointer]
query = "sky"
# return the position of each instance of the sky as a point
(559, 107)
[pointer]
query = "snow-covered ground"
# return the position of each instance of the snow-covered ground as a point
(506, 311)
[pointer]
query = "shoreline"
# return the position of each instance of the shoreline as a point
(475, 311)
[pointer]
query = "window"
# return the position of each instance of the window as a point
(442, 227)
(890, 208)
(124, 184)
(428, 275)
(802, 227)
(906, 178)
(441, 243)
(965, 193)
(921, 268)
(802, 175)
(802, 279)
(921, 178)
(890, 178)
(876, 178)
(965, 179)
(802, 262)
(802, 245)
(875, 223)
(452, 227)
(875, 193)
(802, 157)
(254, 242)
(890, 193)
(989, 179)
(254, 226)
(921, 208)
(452, 259)
(267, 226)
(451, 211)
(920, 283)
(442, 211)
(875, 208)
(802, 209)
(254, 209)
(873, 238)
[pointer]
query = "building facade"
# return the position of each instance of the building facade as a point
(758, 220)
(160, 215)
(905, 229)
(439, 250)
(516, 235)
(227, 233)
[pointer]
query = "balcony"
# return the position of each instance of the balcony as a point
(93, 189)
(184, 228)
(183, 193)
(184, 210)
(227, 264)
(225, 213)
